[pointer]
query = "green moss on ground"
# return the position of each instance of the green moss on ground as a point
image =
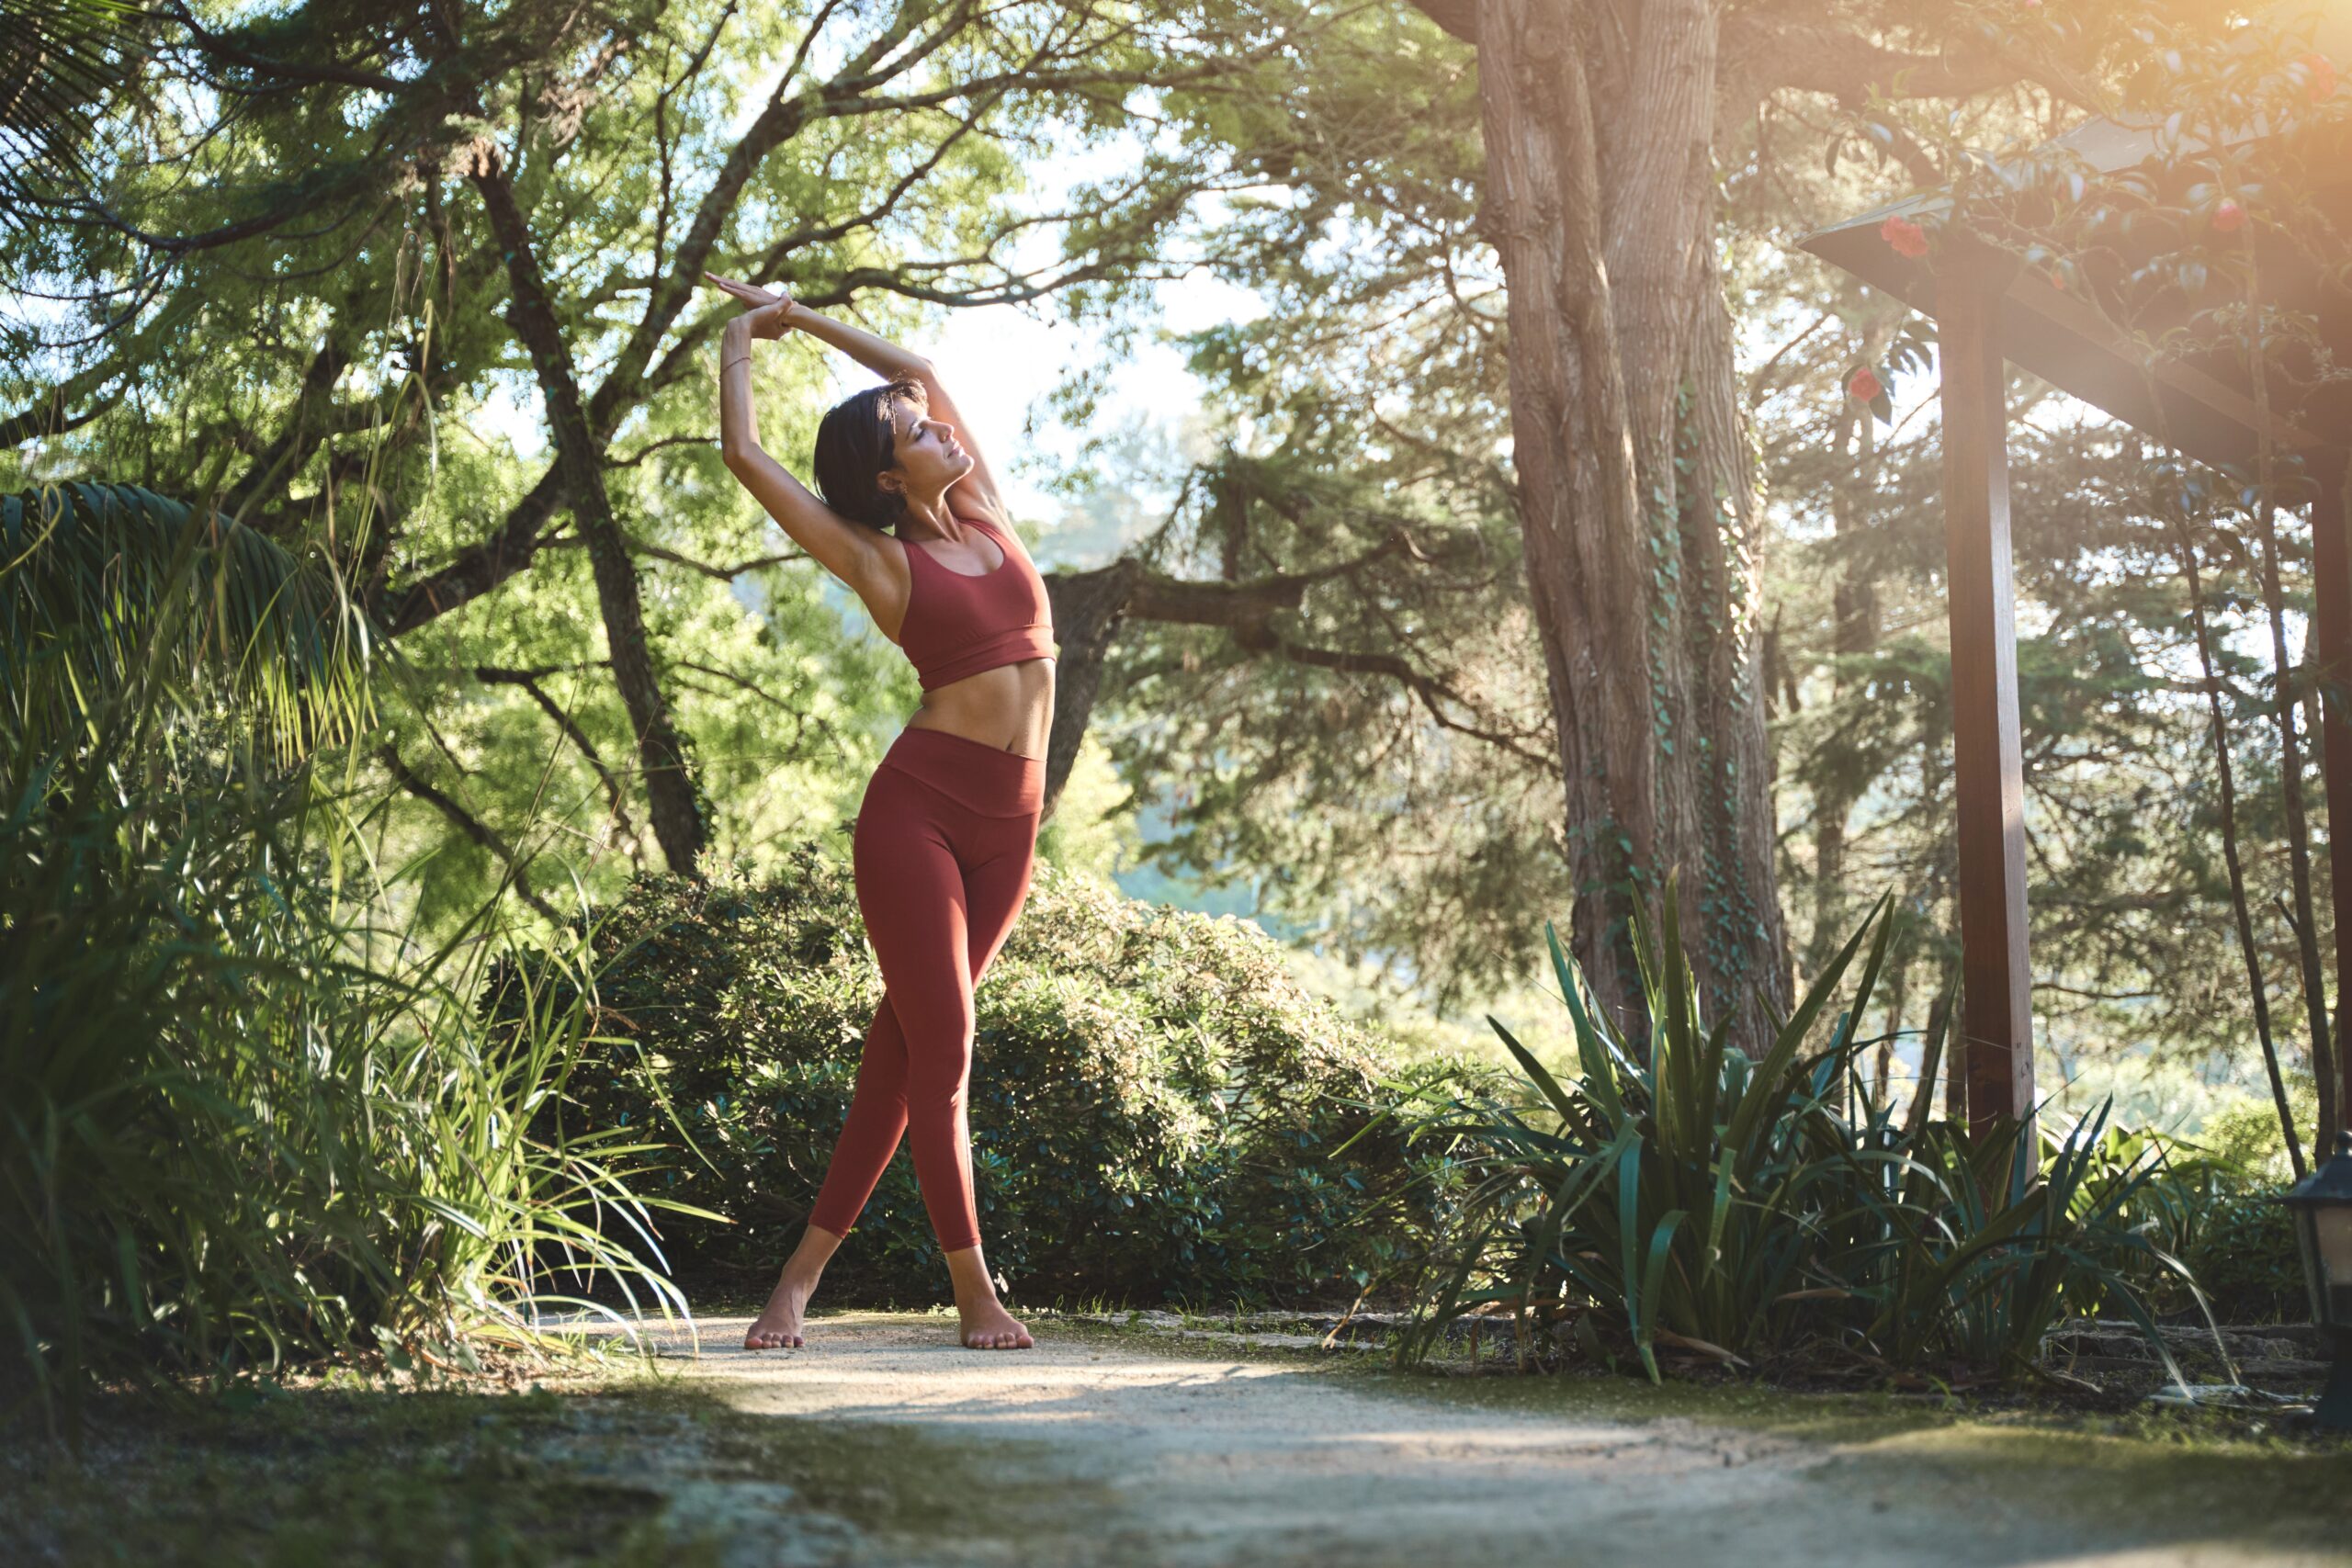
(269, 1475)
(636, 1470)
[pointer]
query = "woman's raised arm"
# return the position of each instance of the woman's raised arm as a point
(849, 550)
(889, 360)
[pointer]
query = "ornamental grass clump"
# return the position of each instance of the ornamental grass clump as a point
(1682, 1193)
(246, 1120)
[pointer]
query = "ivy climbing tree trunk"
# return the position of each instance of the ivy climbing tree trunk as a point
(1636, 477)
(672, 799)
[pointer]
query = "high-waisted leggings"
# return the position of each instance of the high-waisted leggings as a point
(944, 843)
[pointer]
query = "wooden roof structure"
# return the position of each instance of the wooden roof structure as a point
(1991, 313)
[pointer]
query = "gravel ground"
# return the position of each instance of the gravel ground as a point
(1116, 1450)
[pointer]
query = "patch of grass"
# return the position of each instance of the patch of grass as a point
(2149, 1477)
(341, 1476)
(646, 1470)
(898, 1480)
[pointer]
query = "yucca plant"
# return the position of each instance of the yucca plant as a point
(1730, 1204)
(1986, 1248)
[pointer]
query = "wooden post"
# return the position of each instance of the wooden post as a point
(1996, 998)
(2332, 651)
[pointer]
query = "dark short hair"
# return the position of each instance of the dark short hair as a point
(856, 444)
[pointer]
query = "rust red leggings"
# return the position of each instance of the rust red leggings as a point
(944, 843)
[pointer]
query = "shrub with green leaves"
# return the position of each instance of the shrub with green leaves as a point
(1155, 1104)
(2234, 1233)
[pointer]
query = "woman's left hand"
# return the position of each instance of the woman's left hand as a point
(770, 309)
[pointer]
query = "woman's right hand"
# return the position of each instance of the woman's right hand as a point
(770, 312)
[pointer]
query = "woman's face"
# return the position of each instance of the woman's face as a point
(929, 458)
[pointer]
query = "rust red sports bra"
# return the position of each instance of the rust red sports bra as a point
(959, 624)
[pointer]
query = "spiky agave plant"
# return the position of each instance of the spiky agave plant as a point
(1686, 1187)
(1725, 1203)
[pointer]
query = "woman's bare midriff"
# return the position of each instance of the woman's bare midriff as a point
(1010, 707)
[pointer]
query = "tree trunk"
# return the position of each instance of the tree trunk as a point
(2257, 989)
(680, 824)
(2305, 925)
(1600, 198)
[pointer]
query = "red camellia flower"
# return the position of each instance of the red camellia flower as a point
(2229, 216)
(2323, 76)
(1907, 238)
(1865, 385)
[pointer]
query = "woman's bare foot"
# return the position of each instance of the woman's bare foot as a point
(988, 1326)
(779, 1321)
(778, 1325)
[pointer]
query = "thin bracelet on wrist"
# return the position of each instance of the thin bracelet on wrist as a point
(729, 365)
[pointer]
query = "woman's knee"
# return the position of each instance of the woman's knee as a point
(938, 1067)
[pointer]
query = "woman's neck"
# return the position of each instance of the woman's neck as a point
(934, 518)
(928, 515)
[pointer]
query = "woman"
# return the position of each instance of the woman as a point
(947, 831)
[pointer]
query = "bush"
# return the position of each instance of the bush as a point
(2237, 1237)
(2242, 1249)
(1154, 1103)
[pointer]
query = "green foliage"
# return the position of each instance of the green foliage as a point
(1740, 1206)
(1154, 1105)
(2235, 1235)
(2245, 1139)
(2242, 1248)
(99, 581)
(333, 333)
(59, 58)
(242, 1120)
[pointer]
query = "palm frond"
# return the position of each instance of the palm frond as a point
(90, 573)
(59, 59)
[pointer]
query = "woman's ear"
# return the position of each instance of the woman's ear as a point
(887, 480)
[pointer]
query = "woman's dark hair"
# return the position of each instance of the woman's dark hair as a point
(856, 444)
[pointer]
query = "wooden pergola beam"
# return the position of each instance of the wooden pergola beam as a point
(1991, 314)
(1997, 981)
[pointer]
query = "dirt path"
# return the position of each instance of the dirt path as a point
(1117, 1452)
